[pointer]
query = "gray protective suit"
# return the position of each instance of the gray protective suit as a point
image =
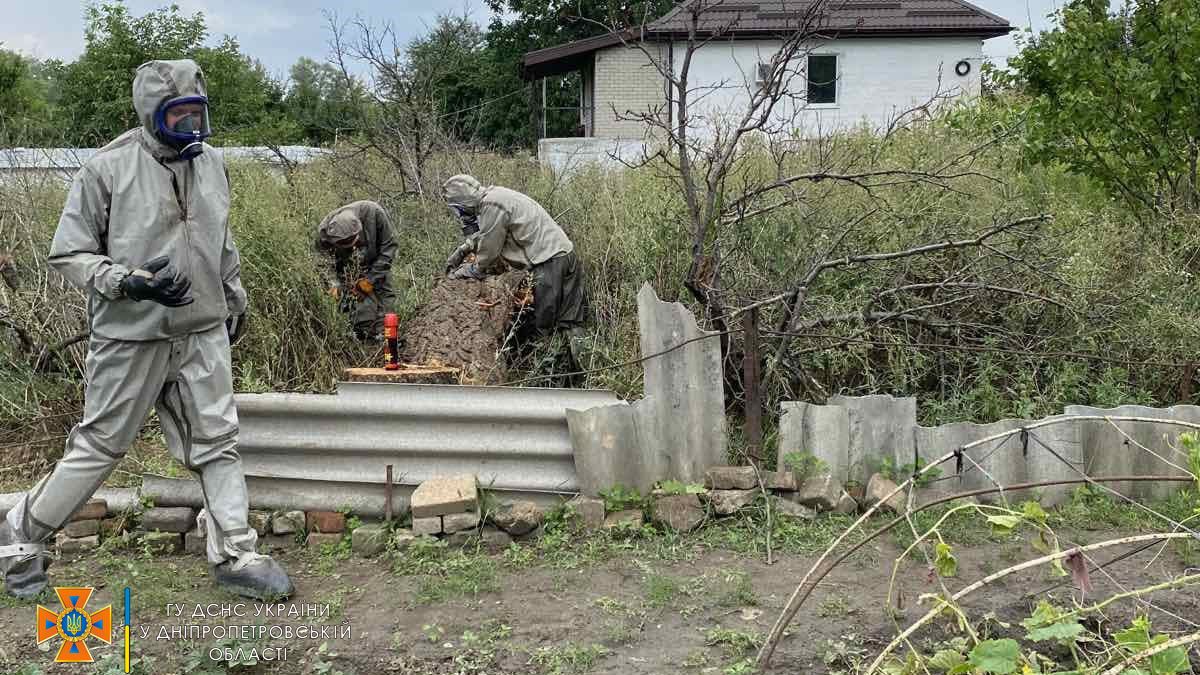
(134, 201)
(370, 259)
(515, 228)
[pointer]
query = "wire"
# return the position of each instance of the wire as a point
(480, 105)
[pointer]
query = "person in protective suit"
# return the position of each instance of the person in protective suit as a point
(145, 235)
(356, 246)
(503, 224)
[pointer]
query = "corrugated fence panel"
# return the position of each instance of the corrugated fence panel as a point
(513, 439)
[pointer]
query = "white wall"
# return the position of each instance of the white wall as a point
(565, 156)
(877, 78)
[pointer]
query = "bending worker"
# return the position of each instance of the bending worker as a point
(145, 235)
(356, 246)
(503, 224)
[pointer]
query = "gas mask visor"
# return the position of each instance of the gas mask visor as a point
(183, 124)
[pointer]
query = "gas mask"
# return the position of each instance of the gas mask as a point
(183, 124)
(470, 222)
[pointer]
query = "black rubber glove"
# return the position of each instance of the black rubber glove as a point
(235, 325)
(158, 281)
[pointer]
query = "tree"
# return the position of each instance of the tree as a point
(1115, 96)
(95, 90)
(25, 111)
(321, 101)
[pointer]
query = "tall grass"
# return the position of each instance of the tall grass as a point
(1131, 297)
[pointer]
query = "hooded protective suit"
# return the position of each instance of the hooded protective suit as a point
(370, 258)
(515, 228)
(133, 201)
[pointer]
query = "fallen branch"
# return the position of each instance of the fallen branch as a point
(1157, 649)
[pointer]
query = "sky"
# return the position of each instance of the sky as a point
(278, 32)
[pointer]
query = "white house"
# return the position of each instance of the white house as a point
(863, 62)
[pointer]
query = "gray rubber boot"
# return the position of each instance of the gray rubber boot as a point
(254, 576)
(23, 564)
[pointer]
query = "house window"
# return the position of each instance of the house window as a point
(822, 78)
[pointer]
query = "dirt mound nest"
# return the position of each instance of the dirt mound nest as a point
(465, 325)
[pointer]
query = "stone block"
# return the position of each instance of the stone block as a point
(163, 543)
(175, 519)
(278, 542)
(519, 518)
(369, 540)
(288, 522)
(462, 539)
(781, 481)
(457, 522)
(260, 521)
(682, 513)
(111, 527)
(589, 511)
(821, 492)
(878, 488)
(494, 540)
(316, 540)
(627, 518)
(81, 528)
(75, 546)
(727, 502)
(783, 508)
(430, 525)
(402, 539)
(196, 543)
(92, 509)
(731, 478)
(326, 522)
(846, 505)
(445, 496)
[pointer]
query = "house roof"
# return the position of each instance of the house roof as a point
(736, 19)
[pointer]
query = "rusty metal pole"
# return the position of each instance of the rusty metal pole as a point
(387, 497)
(752, 384)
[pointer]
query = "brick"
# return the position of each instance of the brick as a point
(163, 543)
(73, 546)
(731, 478)
(368, 540)
(278, 542)
(260, 521)
(727, 502)
(682, 513)
(111, 527)
(316, 540)
(92, 509)
(519, 518)
(195, 543)
(820, 492)
(783, 508)
(782, 481)
(82, 528)
(589, 511)
(177, 519)
(445, 496)
(288, 522)
(457, 522)
(430, 525)
(879, 487)
(327, 522)
(462, 539)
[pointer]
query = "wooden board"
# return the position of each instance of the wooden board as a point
(408, 374)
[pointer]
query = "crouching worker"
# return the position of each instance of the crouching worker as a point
(145, 235)
(503, 224)
(356, 247)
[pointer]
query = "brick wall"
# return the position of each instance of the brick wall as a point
(627, 80)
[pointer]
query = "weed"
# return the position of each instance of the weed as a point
(804, 465)
(674, 487)
(899, 473)
(834, 606)
(736, 589)
(742, 667)
(621, 498)
(696, 659)
(433, 632)
(661, 589)
(566, 659)
(736, 643)
(844, 654)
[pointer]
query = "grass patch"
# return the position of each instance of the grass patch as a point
(444, 575)
(735, 643)
(567, 659)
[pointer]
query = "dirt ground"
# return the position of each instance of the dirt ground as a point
(464, 325)
(599, 604)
